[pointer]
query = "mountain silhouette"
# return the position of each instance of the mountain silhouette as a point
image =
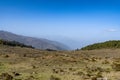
(38, 43)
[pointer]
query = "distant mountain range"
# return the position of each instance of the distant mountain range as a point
(38, 43)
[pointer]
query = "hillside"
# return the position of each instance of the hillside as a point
(113, 44)
(38, 43)
(18, 63)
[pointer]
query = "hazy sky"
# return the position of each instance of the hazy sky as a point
(74, 22)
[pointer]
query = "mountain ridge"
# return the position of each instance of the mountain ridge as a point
(39, 43)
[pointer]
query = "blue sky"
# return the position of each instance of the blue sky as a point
(73, 22)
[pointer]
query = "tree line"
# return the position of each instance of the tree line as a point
(14, 43)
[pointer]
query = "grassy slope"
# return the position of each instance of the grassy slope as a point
(34, 64)
(113, 44)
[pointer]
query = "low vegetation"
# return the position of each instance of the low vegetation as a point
(18, 63)
(13, 43)
(114, 44)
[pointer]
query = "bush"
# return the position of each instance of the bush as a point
(5, 76)
(116, 66)
(54, 78)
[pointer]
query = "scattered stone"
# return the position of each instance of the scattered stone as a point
(6, 56)
(16, 74)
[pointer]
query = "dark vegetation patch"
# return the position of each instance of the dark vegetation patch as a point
(6, 76)
(113, 44)
(14, 43)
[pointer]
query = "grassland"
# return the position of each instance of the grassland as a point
(18, 63)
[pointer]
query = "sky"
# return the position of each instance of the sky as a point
(75, 23)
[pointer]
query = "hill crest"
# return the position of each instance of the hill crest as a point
(112, 44)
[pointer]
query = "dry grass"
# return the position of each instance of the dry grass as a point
(32, 64)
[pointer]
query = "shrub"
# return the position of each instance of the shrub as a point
(54, 78)
(116, 66)
(5, 76)
(80, 73)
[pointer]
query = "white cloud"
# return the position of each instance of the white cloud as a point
(112, 30)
